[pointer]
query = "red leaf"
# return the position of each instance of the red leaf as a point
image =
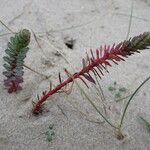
(89, 78)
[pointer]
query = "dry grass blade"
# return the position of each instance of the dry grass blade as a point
(131, 98)
(7, 27)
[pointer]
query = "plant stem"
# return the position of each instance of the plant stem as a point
(95, 106)
(64, 83)
(130, 20)
(101, 94)
(7, 27)
(71, 76)
(124, 112)
(40, 47)
(35, 71)
(120, 99)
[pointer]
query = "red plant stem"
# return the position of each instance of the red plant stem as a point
(70, 79)
(14, 86)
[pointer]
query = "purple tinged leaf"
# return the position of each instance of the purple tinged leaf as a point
(59, 75)
(92, 54)
(88, 59)
(101, 51)
(97, 73)
(83, 63)
(97, 53)
(89, 78)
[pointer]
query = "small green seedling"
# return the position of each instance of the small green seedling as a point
(146, 124)
(116, 91)
(111, 89)
(50, 133)
(118, 95)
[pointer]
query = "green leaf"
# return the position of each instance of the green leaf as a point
(11, 46)
(13, 41)
(9, 52)
(8, 59)
(7, 73)
(111, 88)
(7, 67)
(118, 95)
(50, 135)
(146, 124)
(19, 73)
(123, 89)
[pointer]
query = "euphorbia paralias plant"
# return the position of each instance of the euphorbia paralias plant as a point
(97, 62)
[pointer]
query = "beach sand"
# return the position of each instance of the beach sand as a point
(90, 23)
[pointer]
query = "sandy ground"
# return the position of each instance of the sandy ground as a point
(90, 23)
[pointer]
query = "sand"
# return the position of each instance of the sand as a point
(90, 23)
